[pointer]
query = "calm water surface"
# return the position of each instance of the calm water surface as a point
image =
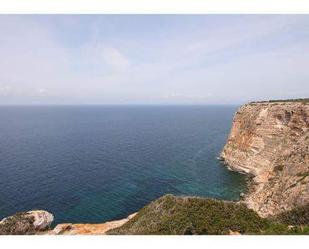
(98, 163)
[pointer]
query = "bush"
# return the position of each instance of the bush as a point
(296, 216)
(192, 215)
(304, 100)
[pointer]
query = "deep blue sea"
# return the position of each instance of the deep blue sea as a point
(99, 163)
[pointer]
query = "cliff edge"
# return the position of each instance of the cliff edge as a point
(270, 142)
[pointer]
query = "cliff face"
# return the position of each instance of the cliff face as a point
(270, 141)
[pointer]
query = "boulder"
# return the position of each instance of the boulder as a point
(30, 222)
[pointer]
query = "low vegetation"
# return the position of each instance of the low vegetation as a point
(296, 216)
(193, 215)
(304, 100)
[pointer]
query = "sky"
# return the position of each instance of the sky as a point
(152, 59)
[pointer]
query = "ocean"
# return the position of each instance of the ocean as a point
(91, 164)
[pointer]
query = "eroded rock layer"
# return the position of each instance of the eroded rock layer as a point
(270, 141)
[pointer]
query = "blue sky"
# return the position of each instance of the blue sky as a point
(152, 59)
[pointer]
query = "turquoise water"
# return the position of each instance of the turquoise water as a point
(98, 163)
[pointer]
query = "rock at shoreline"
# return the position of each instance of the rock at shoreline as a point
(28, 223)
(270, 141)
(39, 221)
(88, 229)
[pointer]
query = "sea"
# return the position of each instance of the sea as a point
(91, 164)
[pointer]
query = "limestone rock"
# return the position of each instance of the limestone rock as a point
(88, 229)
(270, 141)
(234, 233)
(30, 222)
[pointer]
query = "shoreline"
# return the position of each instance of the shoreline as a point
(251, 183)
(87, 228)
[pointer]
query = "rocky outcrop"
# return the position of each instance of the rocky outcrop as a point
(270, 142)
(31, 222)
(88, 229)
(39, 221)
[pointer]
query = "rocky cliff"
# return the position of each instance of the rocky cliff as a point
(270, 141)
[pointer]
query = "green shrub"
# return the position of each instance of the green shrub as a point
(296, 216)
(192, 215)
(304, 100)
